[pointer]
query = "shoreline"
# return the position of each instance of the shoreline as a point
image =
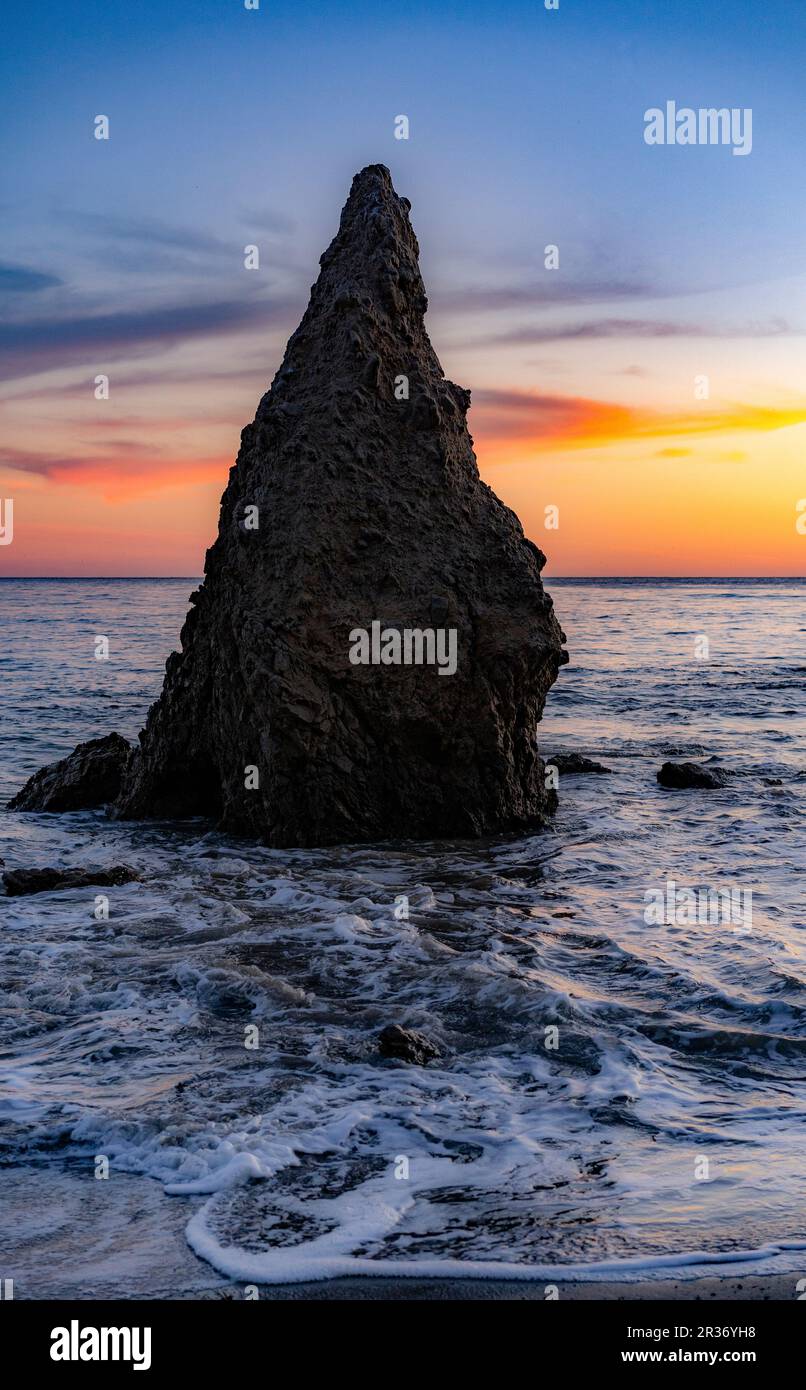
(124, 1240)
(756, 1288)
(750, 1288)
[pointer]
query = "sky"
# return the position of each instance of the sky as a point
(642, 406)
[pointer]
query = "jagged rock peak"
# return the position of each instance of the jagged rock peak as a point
(367, 306)
(375, 248)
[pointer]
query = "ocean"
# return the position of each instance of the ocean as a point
(615, 1097)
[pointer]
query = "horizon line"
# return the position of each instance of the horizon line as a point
(553, 579)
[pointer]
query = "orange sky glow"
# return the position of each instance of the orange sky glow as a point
(639, 489)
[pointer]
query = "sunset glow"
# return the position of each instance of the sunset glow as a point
(675, 270)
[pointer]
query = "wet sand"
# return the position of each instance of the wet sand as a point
(755, 1288)
(71, 1237)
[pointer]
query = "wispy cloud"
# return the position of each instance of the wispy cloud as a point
(20, 279)
(552, 291)
(149, 231)
(252, 372)
(129, 470)
(46, 343)
(573, 422)
(151, 246)
(633, 328)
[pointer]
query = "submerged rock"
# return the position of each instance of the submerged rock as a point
(407, 1045)
(90, 776)
(681, 775)
(20, 881)
(573, 764)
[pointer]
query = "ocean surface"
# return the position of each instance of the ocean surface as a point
(615, 1098)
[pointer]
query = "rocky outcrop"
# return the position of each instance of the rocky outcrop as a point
(90, 776)
(575, 765)
(356, 501)
(407, 1045)
(370, 652)
(682, 775)
(21, 881)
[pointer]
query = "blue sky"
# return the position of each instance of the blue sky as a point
(522, 119)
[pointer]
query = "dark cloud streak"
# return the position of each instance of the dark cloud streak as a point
(18, 279)
(45, 344)
(632, 328)
(554, 291)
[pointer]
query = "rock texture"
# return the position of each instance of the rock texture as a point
(90, 776)
(575, 765)
(681, 775)
(20, 881)
(369, 508)
(407, 1045)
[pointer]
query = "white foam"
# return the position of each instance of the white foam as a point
(367, 1215)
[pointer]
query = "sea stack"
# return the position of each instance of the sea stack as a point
(359, 560)
(356, 500)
